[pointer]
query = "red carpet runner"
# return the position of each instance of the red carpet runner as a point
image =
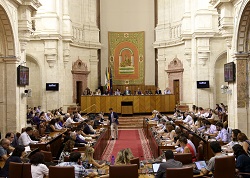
(133, 139)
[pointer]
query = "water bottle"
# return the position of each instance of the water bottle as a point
(112, 160)
(141, 164)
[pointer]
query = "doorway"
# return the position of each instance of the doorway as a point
(79, 92)
(177, 91)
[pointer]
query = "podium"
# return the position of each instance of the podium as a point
(127, 107)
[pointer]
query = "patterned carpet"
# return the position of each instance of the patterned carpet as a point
(129, 138)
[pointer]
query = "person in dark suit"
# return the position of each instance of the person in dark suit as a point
(113, 120)
(170, 163)
(86, 128)
(158, 91)
(127, 91)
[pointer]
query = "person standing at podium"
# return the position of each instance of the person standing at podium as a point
(113, 120)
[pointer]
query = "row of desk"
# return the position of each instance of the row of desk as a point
(157, 147)
(137, 103)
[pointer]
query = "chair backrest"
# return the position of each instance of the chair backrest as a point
(186, 172)
(200, 152)
(57, 171)
(26, 170)
(185, 158)
(123, 171)
(47, 156)
(20, 170)
(135, 161)
(224, 167)
(15, 170)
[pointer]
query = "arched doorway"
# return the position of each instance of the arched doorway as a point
(35, 83)
(219, 79)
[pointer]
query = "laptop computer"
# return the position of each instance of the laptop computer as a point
(155, 167)
(200, 164)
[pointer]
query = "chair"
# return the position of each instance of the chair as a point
(47, 156)
(135, 161)
(200, 152)
(224, 167)
(20, 170)
(57, 171)
(123, 171)
(15, 170)
(185, 158)
(186, 172)
(26, 170)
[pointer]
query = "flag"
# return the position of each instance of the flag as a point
(107, 80)
(110, 81)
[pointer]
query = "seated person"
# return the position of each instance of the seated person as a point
(117, 92)
(38, 168)
(97, 122)
(16, 157)
(75, 161)
(242, 160)
(223, 134)
(86, 129)
(138, 92)
(68, 146)
(123, 156)
(79, 138)
(216, 148)
(210, 129)
(13, 140)
(187, 148)
(25, 139)
(170, 163)
(127, 91)
(158, 91)
(88, 158)
(4, 148)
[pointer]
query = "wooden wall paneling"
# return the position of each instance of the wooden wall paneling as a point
(158, 103)
(88, 101)
(93, 104)
(172, 103)
(118, 104)
(152, 103)
(83, 104)
(141, 104)
(103, 104)
(113, 103)
(162, 103)
(136, 104)
(147, 104)
(167, 108)
(108, 104)
(98, 104)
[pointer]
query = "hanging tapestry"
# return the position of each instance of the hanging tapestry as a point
(126, 57)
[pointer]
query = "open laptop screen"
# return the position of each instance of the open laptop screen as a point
(200, 164)
(156, 167)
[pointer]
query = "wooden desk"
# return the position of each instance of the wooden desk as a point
(101, 144)
(141, 103)
(147, 125)
(52, 144)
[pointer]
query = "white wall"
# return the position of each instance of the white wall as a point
(129, 16)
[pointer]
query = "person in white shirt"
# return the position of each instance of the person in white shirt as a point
(210, 129)
(48, 116)
(69, 121)
(38, 168)
(25, 139)
(188, 119)
(223, 134)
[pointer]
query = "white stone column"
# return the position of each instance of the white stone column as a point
(93, 68)
(162, 75)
